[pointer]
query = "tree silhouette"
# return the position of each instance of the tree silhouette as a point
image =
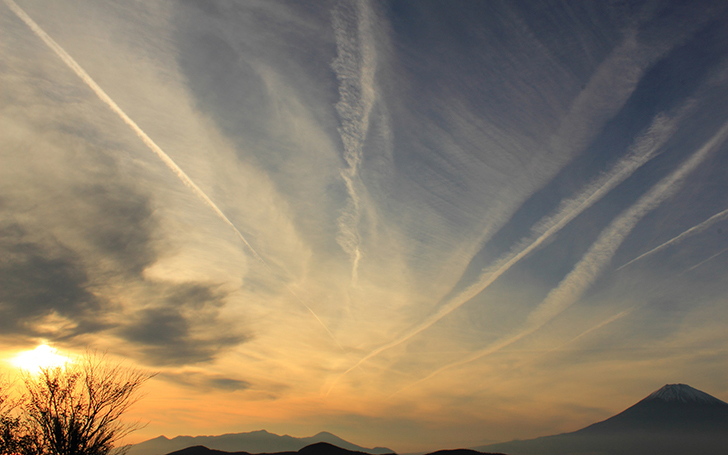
(9, 424)
(16, 436)
(75, 409)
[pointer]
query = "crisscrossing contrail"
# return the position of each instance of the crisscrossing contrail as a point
(647, 146)
(581, 277)
(101, 94)
(693, 230)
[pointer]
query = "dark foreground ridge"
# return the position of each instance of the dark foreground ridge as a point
(320, 448)
(462, 452)
(674, 420)
(252, 442)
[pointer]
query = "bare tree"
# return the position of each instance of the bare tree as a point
(9, 424)
(77, 408)
(16, 436)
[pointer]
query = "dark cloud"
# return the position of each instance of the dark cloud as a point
(37, 281)
(122, 224)
(207, 381)
(60, 252)
(194, 295)
(66, 275)
(183, 328)
(228, 383)
(42, 280)
(159, 327)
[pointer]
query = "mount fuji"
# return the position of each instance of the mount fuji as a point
(674, 420)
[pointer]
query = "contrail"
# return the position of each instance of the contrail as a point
(81, 73)
(693, 230)
(573, 286)
(607, 321)
(618, 76)
(594, 328)
(703, 262)
(355, 67)
(584, 333)
(101, 94)
(646, 147)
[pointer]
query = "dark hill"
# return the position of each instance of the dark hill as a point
(462, 452)
(251, 442)
(320, 448)
(324, 448)
(202, 450)
(674, 420)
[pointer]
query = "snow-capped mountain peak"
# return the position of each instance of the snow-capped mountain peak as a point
(682, 393)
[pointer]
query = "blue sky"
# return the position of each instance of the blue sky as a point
(416, 224)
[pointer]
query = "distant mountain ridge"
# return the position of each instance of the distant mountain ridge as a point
(674, 420)
(252, 442)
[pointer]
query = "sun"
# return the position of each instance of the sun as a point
(43, 356)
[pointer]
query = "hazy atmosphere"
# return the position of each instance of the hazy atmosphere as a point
(414, 224)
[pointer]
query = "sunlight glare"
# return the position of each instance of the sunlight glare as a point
(43, 356)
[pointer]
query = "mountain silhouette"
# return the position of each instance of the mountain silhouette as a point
(674, 420)
(462, 452)
(252, 442)
(319, 448)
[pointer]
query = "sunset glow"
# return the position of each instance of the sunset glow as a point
(43, 356)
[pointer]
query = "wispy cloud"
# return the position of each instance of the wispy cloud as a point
(573, 286)
(608, 90)
(355, 68)
(646, 147)
(181, 175)
(101, 94)
(418, 173)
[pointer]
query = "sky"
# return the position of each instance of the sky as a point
(414, 224)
